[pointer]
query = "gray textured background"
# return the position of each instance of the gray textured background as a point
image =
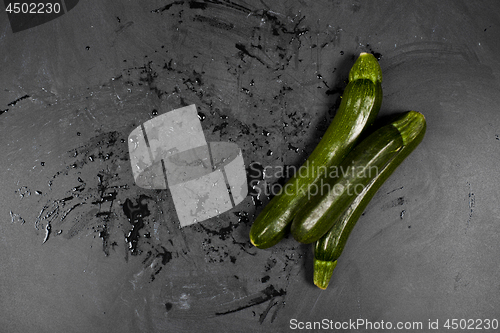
(267, 76)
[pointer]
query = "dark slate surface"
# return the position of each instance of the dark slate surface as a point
(267, 76)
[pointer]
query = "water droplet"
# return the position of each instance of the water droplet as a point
(42, 163)
(201, 116)
(256, 202)
(242, 216)
(269, 152)
(295, 149)
(23, 191)
(154, 112)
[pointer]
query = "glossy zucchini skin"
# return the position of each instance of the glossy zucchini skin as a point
(361, 101)
(334, 195)
(329, 247)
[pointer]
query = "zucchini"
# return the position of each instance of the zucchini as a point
(329, 247)
(361, 101)
(332, 195)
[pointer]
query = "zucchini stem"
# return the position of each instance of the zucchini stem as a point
(366, 67)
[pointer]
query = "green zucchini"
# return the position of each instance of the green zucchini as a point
(332, 195)
(358, 109)
(328, 248)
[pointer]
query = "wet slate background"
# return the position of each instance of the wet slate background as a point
(83, 247)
